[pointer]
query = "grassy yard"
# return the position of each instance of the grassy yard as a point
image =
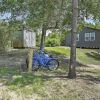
(84, 56)
(49, 85)
(17, 85)
(53, 85)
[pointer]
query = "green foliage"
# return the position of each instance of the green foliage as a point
(5, 37)
(91, 25)
(34, 13)
(88, 8)
(63, 37)
(51, 12)
(96, 26)
(56, 39)
(53, 40)
(38, 38)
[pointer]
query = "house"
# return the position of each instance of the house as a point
(24, 38)
(87, 38)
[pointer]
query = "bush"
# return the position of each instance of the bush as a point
(52, 42)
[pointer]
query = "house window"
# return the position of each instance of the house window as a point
(87, 36)
(77, 37)
(90, 36)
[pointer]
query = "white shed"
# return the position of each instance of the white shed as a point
(29, 38)
(24, 38)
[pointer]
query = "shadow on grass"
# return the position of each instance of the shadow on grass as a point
(90, 78)
(87, 71)
(89, 75)
(20, 81)
(94, 55)
(15, 79)
(12, 77)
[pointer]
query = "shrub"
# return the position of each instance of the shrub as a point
(52, 42)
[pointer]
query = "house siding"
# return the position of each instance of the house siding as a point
(86, 44)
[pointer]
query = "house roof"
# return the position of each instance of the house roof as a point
(93, 28)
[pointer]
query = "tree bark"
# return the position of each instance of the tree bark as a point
(72, 66)
(42, 44)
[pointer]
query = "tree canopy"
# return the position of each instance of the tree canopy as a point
(52, 13)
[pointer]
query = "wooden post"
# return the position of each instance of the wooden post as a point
(30, 59)
(30, 43)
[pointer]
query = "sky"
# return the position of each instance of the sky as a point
(89, 20)
(6, 15)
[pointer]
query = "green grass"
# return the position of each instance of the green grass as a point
(24, 82)
(64, 98)
(84, 56)
(88, 56)
(98, 75)
(59, 50)
(4, 71)
(27, 83)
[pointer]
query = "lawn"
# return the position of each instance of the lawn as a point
(13, 83)
(48, 85)
(84, 56)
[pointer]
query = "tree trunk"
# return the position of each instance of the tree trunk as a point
(30, 56)
(72, 66)
(42, 44)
